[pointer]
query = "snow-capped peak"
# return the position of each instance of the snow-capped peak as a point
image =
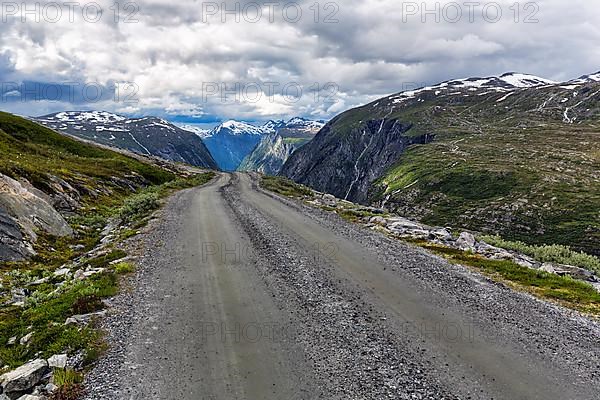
(505, 83)
(85, 116)
(239, 128)
(586, 79)
(272, 125)
(202, 133)
(525, 80)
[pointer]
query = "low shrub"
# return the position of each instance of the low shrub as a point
(139, 206)
(548, 253)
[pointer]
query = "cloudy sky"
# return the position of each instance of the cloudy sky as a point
(193, 61)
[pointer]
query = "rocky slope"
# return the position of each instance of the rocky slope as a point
(46, 177)
(239, 145)
(232, 141)
(268, 157)
(273, 151)
(148, 135)
(515, 155)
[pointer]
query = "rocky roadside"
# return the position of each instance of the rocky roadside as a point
(565, 338)
(135, 304)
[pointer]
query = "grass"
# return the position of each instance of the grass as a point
(566, 291)
(46, 319)
(124, 268)
(66, 376)
(284, 187)
(547, 253)
(69, 384)
(109, 185)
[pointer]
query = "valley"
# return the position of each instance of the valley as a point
(141, 259)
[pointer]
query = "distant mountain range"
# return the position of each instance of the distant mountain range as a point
(148, 135)
(225, 147)
(233, 142)
(514, 154)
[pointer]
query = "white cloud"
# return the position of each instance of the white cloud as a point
(375, 49)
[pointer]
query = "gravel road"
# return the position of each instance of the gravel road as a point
(241, 294)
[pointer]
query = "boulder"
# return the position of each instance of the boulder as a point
(13, 243)
(466, 241)
(58, 361)
(30, 209)
(377, 220)
(23, 211)
(25, 377)
(62, 272)
(402, 226)
(84, 319)
(441, 234)
(32, 397)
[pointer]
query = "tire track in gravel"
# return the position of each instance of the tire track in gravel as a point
(485, 365)
(331, 326)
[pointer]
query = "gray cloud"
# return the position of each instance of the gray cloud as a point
(174, 52)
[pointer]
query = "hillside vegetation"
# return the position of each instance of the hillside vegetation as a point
(482, 154)
(52, 285)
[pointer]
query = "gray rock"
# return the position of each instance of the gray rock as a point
(13, 243)
(79, 274)
(441, 233)
(466, 241)
(400, 222)
(83, 319)
(25, 339)
(25, 377)
(28, 207)
(546, 267)
(32, 397)
(50, 388)
(377, 220)
(58, 361)
(62, 272)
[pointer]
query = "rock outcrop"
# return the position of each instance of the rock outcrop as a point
(24, 378)
(25, 210)
(346, 165)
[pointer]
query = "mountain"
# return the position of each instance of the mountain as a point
(46, 177)
(202, 133)
(516, 155)
(148, 135)
(268, 156)
(232, 142)
(273, 151)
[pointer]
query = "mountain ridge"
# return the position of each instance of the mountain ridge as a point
(144, 135)
(481, 153)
